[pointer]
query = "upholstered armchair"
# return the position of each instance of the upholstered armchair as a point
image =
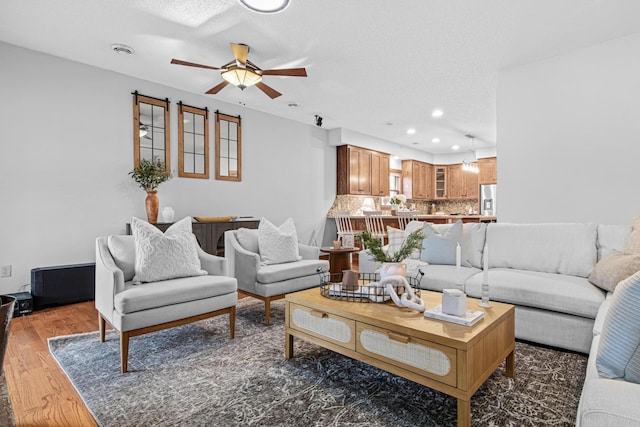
(269, 282)
(136, 309)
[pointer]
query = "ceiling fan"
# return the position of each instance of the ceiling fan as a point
(243, 73)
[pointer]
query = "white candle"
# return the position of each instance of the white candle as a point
(485, 272)
(459, 282)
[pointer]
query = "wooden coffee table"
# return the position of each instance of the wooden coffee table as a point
(451, 358)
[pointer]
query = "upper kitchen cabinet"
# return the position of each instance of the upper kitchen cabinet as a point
(417, 179)
(362, 171)
(488, 170)
(379, 174)
(440, 181)
(461, 184)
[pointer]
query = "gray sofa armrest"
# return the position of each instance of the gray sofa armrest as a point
(243, 265)
(109, 279)
(215, 265)
(308, 252)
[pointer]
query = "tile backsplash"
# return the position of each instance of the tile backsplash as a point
(353, 204)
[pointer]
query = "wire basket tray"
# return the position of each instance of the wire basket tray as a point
(331, 287)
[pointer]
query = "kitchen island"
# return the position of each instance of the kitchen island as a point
(359, 225)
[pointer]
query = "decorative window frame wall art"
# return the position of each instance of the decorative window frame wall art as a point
(193, 141)
(228, 147)
(151, 130)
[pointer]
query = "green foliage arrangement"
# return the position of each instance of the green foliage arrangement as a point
(149, 174)
(374, 245)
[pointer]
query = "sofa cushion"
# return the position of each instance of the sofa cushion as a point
(612, 237)
(549, 291)
(280, 272)
(123, 252)
(248, 239)
(168, 255)
(278, 244)
(614, 268)
(551, 248)
(602, 314)
(147, 296)
(619, 350)
(473, 241)
(439, 246)
(634, 238)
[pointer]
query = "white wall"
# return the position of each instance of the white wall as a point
(569, 136)
(66, 148)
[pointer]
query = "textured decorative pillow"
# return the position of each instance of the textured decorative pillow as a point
(613, 268)
(168, 255)
(397, 237)
(248, 239)
(441, 248)
(278, 244)
(634, 238)
(619, 349)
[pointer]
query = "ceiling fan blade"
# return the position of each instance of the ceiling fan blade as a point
(240, 52)
(295, 72)
(271, 92)
(217, 88)
(192, 64)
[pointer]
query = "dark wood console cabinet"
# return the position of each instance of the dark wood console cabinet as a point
(210, 235)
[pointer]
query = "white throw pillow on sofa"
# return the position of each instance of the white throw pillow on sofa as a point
(278, 244)
(248, 239)
(163, 256)
(441, 248)
(619, 349)
(397, 237)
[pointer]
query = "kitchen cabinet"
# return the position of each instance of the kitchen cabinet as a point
(488, 170)
(362, 172)
(417, 180)
(379, 174)
(440, 180)
(461, 184)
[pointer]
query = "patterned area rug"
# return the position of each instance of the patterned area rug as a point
(194, 375)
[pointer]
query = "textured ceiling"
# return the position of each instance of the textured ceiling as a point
(376, 67)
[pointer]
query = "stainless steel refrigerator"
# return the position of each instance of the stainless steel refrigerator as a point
(488, 199)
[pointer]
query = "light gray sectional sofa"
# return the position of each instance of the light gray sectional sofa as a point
(543, 270)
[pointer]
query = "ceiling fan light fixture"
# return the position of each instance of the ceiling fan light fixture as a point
(241, 77)
(265, 6)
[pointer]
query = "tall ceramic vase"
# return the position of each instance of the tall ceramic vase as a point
(6, 313)
(151, 203)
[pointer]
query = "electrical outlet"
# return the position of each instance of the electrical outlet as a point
(5, 271)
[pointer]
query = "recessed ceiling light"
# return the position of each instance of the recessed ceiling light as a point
(435, 140)
(294, 104)
(411, 131)
(437, 113)
(389, 123)
(455, 147)
(415, 143)
(265, 6)
(122, 48)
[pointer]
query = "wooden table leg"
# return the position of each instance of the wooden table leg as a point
(511, 365)
(288, 346)
(464, 413)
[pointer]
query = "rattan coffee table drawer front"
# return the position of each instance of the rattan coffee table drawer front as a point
(321, 324)
(425, 358)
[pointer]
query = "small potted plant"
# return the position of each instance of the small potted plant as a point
(392, 262)
(397, 202)
(149, 175)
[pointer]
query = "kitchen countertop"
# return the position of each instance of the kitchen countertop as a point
(443, 216)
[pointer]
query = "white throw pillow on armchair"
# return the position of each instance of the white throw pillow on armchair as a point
(278, 244)
(163, 256)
